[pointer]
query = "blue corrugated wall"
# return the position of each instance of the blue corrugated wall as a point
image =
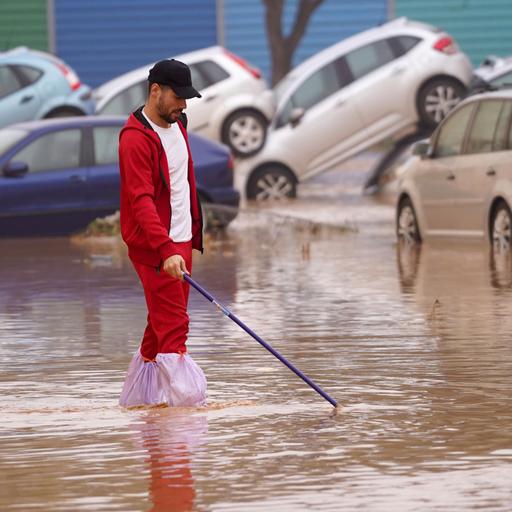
(334, 20)
(480, 27)
(101, 39)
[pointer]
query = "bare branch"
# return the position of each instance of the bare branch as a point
(304, 12)
(283, 47)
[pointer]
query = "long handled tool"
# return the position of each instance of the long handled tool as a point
(273, 351)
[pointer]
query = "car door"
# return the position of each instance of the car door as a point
(102, 144)
(48, 199)
(19, 98)
(330, 126)
(484, 157)
(376, 89)
(435, 179)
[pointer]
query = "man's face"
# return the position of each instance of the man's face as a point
(168, 105)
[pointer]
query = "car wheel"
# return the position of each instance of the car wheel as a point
(407, 229)
(64, 112)
(245, 132)
(271, 182)
(502, 228)
(437, 98)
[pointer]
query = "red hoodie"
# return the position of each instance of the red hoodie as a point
(146, 195)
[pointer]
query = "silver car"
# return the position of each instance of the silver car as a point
(378, 84)
(459, 183)
(235, 107)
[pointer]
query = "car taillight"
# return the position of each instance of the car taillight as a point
(256, 73)
(73, 80)
(446, 45)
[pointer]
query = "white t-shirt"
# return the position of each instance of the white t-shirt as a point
(175, 149)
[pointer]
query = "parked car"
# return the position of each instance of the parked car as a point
(59, 175)
(494, 73)
(37, 85)
(459, 183)
(233, 108)
(378, 84)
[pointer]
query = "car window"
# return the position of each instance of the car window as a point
(481, 136)
(9, 137)
(502, 133)
(106, 141)
(127, 100)
(369, 58)
(402, 44)
(210, 73)
(56, 150)
(29, 74)
(9, 82)
(451, 132)
(505, 79)
(319, 86)
(199, 81)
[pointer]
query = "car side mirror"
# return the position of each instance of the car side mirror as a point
(15, 169)
(296, 115)
(423, 149)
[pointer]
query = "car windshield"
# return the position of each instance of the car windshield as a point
(9, 137)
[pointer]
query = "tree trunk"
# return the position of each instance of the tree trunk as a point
(283, 47)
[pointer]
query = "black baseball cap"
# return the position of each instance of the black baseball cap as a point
(175, 74)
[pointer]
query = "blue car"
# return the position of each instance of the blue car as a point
(58, 175)
(37, 85)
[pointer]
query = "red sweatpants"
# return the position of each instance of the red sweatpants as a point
(166, 299)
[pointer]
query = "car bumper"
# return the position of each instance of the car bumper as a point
(83, 99)
(222, 206)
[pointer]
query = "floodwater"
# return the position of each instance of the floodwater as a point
(416, 346)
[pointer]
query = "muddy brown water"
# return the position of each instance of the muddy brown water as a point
(415, 345)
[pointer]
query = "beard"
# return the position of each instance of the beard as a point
(165, 115)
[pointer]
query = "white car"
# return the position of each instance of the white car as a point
(494, 73)
(380, 83)
(459, 183)
(235, 108)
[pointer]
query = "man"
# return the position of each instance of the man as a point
(161, 223)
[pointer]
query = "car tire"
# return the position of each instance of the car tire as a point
(64, 112)
(407, 229)
(436, 98)
(272, 182)
(245, 132)
(501, 228)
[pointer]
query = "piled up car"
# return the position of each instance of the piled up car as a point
(384, 82)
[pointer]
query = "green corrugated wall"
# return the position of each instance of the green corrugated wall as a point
(481, 27)
(23, 23)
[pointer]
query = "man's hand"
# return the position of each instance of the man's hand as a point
(175, 266)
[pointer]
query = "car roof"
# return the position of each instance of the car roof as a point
(43, 125)
(70, 122)
(388, 29)
(494, 66)
(505, 94)
(26, 54)
(135, 75)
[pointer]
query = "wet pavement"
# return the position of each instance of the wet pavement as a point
(415, 345)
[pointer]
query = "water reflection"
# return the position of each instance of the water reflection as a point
(467, 260)
(500, 262)
(170, 438)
